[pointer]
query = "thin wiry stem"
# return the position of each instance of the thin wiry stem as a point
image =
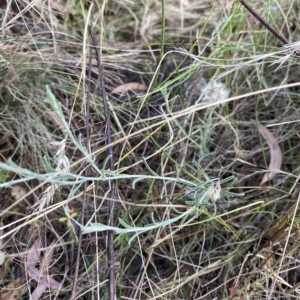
(110, 233)
(267, 25)
(86, 173)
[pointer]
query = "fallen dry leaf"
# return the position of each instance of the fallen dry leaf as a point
(130, 86)
(275, 153)
(41, 276)
(13, 290)
(61, 8)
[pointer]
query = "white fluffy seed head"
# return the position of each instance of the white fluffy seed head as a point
(214, 190)
(214, 91)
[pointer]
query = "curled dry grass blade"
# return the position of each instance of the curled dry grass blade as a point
(275, 153)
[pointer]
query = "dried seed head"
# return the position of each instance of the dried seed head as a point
(61, 160)
(214, 191)
(214, 91)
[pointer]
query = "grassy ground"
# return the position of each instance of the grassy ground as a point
(189, 85)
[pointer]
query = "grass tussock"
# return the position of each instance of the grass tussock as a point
(194, 90)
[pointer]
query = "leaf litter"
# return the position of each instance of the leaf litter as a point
(41, 276)
(275, 153)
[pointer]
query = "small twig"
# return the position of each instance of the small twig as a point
(267, 25)
(110, 233)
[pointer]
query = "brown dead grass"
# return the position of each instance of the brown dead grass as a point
(238, 248)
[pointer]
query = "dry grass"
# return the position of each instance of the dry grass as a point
(185, 229)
